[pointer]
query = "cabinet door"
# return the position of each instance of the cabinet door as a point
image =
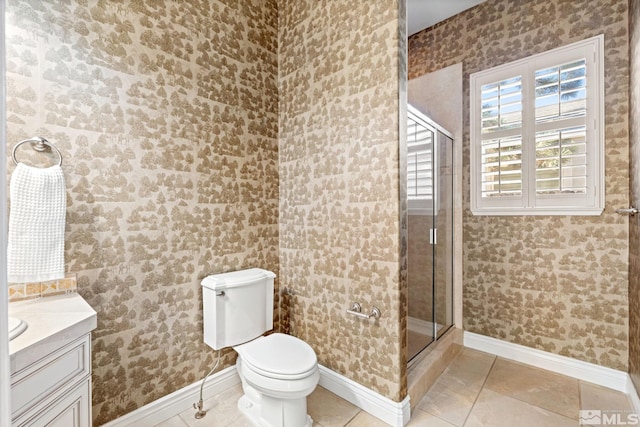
(70, 410)
(50, 376)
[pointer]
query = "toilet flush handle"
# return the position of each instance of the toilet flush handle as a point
(220, 294)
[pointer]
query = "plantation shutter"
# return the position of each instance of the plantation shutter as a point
(501, 115)
(537, 134)
(560, 138)
(419, 160)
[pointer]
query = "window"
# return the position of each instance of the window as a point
(537, 134)
(420, 178)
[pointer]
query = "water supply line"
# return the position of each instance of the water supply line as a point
(201, 412)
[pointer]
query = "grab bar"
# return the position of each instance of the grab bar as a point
(356, 310)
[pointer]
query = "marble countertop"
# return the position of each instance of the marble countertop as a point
(53, 322)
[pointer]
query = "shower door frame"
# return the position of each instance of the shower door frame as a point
(438, 130)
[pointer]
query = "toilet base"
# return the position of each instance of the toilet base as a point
(270, 412)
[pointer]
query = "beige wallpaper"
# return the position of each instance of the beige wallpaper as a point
(166, 114)
(340, 234)
(554, 283)
(634, 224)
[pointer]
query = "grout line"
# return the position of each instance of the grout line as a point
(352, 418)
(480, 391)
(537, 406)
(184, 423)
(437, 416)
(579, 399)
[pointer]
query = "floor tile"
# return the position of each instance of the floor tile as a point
(364, 419)
(240, 422)
(450, 399)
(596, 397)
(421, 418)
(454, 393)
(471, 365)
(496, 410)
(329, 410)
(222, 410)
(476, 390)
(548, 390)
(175, 421)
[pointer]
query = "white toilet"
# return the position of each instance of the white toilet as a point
(278, 371)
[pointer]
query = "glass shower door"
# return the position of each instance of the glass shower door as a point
(420, 194)
(430, 232)
(443, 247)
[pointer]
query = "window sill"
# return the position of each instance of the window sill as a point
(537, 211)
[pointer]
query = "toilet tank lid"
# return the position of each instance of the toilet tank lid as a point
(236, 278)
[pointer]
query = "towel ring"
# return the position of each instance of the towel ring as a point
(39, 144)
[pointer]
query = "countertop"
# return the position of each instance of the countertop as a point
(53, 322)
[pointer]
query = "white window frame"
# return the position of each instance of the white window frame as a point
(530, 203)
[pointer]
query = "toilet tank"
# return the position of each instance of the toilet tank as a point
(237, 306)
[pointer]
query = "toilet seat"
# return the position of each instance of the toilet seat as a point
(279, 356)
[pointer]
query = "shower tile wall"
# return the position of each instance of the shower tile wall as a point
(420, 271)
(340, 235)
(554, 283)
(430, 271)
(634, 223)
(166, 114)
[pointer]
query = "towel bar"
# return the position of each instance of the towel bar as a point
(356, 310)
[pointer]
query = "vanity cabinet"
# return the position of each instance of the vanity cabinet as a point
(51, 363)
(72, 410)
(55, 390)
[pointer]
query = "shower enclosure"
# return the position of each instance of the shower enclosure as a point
(430, 231)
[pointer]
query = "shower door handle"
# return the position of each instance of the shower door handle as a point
(433, 236)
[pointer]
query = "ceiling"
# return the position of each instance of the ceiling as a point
(425, 13)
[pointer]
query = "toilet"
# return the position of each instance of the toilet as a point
(277, 371)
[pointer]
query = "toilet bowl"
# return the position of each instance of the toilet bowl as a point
(278, 372)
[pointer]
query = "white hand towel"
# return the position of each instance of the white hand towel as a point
(36, 224)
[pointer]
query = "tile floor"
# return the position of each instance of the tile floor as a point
(476, 390)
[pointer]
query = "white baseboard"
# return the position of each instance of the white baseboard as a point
(601, 375)
(633, 395)
(396, 414)
(176, 402)
(393, 413)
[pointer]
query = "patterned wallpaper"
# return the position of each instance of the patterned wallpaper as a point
(340, 236)
(634, 222)
(554, 283)
(166, 114)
